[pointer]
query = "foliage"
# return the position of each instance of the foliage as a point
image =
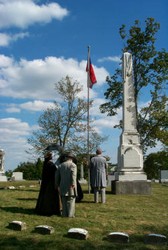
(66, 122)
(31, 171)
(155, 162)
(150, 77)
(8, 174)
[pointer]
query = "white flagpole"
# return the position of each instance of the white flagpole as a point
(88, 117)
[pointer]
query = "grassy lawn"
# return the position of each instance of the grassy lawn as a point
(136, 215)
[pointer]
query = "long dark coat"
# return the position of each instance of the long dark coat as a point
(48, 199)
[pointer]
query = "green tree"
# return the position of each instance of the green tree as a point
(66, 123)
(31, 171)
(150, 77)
(154, 163)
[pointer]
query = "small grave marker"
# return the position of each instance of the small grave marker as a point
(17, 225)
(78, 233)
(44, 229)
(118, 237)
(155, 239)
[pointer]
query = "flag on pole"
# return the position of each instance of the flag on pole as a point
(91, 75)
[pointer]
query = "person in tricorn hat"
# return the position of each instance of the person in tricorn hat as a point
(66, 176)
(48, 200)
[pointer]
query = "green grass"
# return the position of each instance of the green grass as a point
(136, 215)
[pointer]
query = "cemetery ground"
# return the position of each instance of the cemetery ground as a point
(136, 215)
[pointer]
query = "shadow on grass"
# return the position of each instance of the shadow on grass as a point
(27, 199)
(43, 242)
(19, 210)
(155, 229)
(23, 190)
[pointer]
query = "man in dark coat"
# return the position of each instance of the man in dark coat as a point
(98, 168)
(48, 200)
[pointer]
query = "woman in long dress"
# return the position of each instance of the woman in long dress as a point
(48, 202)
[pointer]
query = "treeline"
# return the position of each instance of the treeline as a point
(153, 164)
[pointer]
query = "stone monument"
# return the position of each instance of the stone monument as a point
(82, 179)
(2, 175)
(129, 177)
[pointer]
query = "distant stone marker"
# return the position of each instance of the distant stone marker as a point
(155, 239)
(118, 237)
(78, 233)
(17, 225)
(2, 167)
(44, 229)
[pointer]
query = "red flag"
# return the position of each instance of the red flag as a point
(91, 75)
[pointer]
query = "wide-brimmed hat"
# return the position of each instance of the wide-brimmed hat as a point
(70, 155)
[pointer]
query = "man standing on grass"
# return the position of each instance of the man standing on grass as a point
(98, 168)
(66, 176)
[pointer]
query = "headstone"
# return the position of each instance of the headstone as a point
(130, 157)
(17, 225)
(11, 187)
(164, 176)
(17, 176)
(78, 233)
(155, 239)
(44, 229)
(82, 180)
(2, 168)
(118, 237)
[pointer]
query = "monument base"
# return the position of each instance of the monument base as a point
(131, 187)
(130, 176)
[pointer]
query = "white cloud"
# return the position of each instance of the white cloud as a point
(6, 39)
(22, 13)
(5, 61)
(36, 105)
(12, 127)
(13, 134)
(12, 109)
(116, 59)
(36, 79)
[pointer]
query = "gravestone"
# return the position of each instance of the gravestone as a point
(163, 176)
(17, 176)
(2, 168)
(44, 229)
(118, 237)
(78, 233)
(129, 177)
(155, 239)
(17, 225)
(82, 179)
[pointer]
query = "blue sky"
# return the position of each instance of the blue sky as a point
(43, 41)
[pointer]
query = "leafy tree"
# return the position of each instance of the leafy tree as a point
(8, 173)
(31, 171)
(65, 123)
(154, 163)
(150, 75)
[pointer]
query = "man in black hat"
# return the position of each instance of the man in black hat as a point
(66, 176)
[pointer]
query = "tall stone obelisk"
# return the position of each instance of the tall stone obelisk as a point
(130, 177)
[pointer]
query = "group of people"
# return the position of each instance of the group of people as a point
(60, 189)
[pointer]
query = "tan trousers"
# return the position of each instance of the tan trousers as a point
(102, 194)
(68, 206)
